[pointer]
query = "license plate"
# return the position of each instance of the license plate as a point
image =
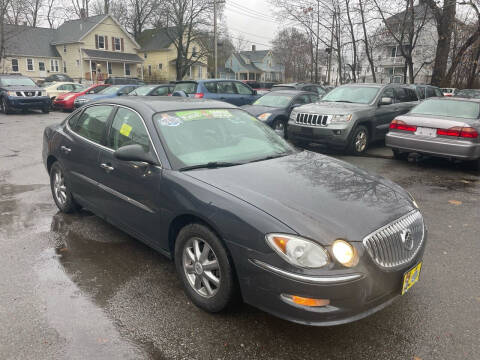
(426, 131)
(411, 277)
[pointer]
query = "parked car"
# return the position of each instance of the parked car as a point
(426, 91)
(449, 91)
(58, 88)
(58, 78)
(320, 89)
(241, 212)
(274, 108)
(108, 93)
(231, 91)
(447, 127)
(261, 87)
(468, 93)
(66, 101)
(153, 90)
(123, 80)
(21, 92)
(350, 117)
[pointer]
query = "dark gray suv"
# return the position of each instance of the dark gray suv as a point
(351, 116)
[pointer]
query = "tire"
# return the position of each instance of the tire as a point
(46, 110)
(5, 107)
(359, 140)
(398, 155)
(280, 127)
(61, 195)
(475, 165)
(211, 290)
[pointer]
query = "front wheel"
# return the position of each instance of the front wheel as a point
(359, 141)
(61, 194)
(280, 128)
(205, 268)
(46, 110)
(5, 107)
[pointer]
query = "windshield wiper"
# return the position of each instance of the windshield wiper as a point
(344, 101)
(209, 165)
(270, 157)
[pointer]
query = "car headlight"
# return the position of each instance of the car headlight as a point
(341, 118)
(264, 116)
(293, 115)
(12, 93)
(344, 253)
(298, 251)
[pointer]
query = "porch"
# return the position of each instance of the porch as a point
(99, 65)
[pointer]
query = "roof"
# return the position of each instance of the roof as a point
(255, 56)
(249, 67)
(112, 56)
(29, 41)
(73, 30)
(290, 92)
(156, 39)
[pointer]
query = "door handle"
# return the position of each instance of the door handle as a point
(65, 149)
(107, 167)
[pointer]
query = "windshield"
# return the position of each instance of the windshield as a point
(195, 137)
(453, 108)
(352, 94)
(17, 81)
(187, 87)
(273, 100)
(110, 90)
(142, 90)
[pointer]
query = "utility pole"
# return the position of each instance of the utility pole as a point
(215, 34)
(331, 49)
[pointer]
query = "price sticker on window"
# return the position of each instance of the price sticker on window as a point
(125, 130)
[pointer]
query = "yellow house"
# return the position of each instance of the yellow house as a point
(88, 50)
(160, 54)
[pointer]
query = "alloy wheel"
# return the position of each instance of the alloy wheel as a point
(280, 128)
(201, 267)
(361, 141)
(59, 188)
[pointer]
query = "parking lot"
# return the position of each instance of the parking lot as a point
(74, 287)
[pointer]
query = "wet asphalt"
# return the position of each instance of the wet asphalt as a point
(74, 287)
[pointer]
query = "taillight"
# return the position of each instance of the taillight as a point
(402, 125)
(457, 131)
(199, 95)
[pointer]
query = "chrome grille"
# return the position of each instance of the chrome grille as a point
(312, 119)
(389, 246)
(29, 93)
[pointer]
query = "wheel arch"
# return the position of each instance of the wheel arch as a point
(50, 160)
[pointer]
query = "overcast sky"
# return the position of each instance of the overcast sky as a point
(252, 19)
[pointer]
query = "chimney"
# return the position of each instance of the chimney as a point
(83, 14)
(254, 48)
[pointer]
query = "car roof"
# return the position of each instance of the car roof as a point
(167, 103)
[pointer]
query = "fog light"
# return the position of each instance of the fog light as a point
(344, 253)
(304, 301)
(337, 132)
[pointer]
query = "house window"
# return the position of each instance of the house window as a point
(149, 70)
(117, 44)
(393, 51)
(109, 68)
(160, 66)
(64, 67)
(64, 48)
(144, 55)
(78, 62)
(94, 66)
(41, 66)
(54, 65)
(127, 69)
(194, 51)
(15, 65)
(101, 42)
(30, 65)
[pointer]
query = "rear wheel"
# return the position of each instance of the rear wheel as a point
(205, 268)
(397, 154)
(61, 194)
(359, 141)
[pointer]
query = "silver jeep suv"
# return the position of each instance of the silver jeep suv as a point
(350, 117)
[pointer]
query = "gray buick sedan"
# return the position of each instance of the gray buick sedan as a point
(243, 214)
(445, 127)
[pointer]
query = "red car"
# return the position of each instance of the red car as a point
(65, 101)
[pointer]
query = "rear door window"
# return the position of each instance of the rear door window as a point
(92, 123)
(226, 87)
(430, 92)
(211, 86)
(160, 91)
(187, 87)
(421, 92)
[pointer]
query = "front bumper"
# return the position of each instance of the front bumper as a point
(63, 104)
(437, 146)
(353, 294)
(33, 102)
(336, 136)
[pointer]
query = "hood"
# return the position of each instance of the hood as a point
(315, 195)
(256, 110)
(328, 107)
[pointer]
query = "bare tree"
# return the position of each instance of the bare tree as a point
(366, 41)
(33, 9)
(4, 5)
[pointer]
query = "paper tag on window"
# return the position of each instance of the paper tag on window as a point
(125, 130)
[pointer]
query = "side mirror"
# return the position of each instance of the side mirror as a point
(386, 101)
(134, 152)
(254, 92)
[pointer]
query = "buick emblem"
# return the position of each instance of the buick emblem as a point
(407, 239)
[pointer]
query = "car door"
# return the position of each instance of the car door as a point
(245, 94)
(131, 189)
(384, 114)
(79, 148)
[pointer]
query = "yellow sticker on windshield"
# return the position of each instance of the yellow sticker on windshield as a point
(125, 130)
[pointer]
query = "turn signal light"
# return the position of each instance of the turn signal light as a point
(199, 95)
(304, 301)
(402, 125)
(457, 131)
